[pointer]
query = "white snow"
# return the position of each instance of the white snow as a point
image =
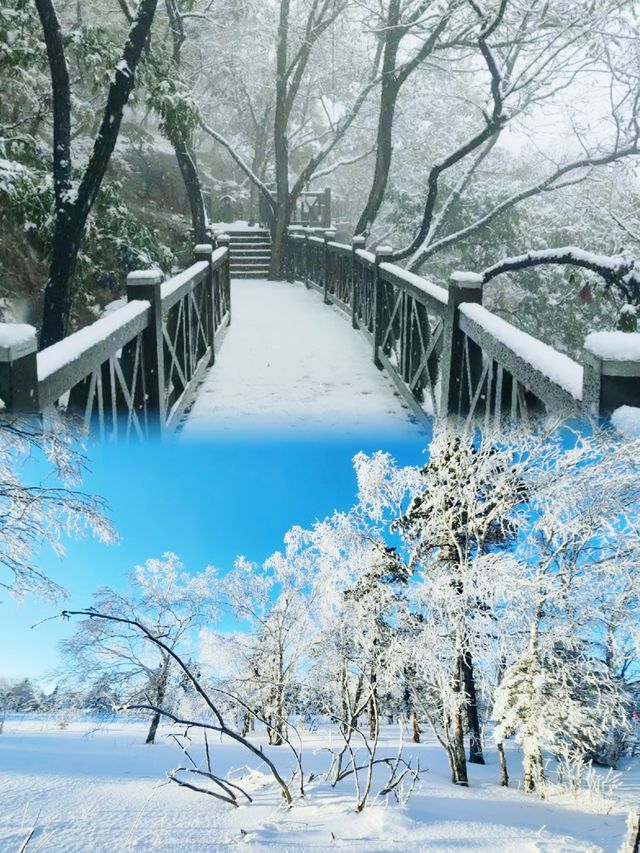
(420, 283)
(463, 277)
(365, 255)
(115, 305)
(236, 225)
(98, 787)
(16, 339)
(74, 346)
(608, 262)
(144, 275)
(556, 366)
(179, 280)
(123, 67)
(626, 419)
(289, 361)
(617, 346)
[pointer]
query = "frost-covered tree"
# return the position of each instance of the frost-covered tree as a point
(170, 603)
(518, 60)
(494, 524)
(358, 580)
(41, 503)
(271, 609)
(578, 563)
(465, 509)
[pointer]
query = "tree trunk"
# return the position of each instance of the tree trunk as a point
(384, 151)
(475, 739)
(533, 771)
(160, 693)
(415, 728)
(248, 723)
(281, 149)
(192, 184)
(74, 206)
(502, 761)
(184, 156)
(459, 774)
(457, 758)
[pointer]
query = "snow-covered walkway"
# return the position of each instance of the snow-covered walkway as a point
(289, 362)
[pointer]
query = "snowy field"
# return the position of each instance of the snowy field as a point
(291, 363)
(97, 787)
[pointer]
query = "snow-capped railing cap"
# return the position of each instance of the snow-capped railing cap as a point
(615, 348)
(141, 277)
(384, 251)
(329, 234)
(16, 341)
(223, 238)
(202, 249)
(469, 279)
(358, 241)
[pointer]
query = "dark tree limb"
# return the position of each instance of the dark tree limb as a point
(619, 270)
(220, 726)
(73, 206)
(494, 123)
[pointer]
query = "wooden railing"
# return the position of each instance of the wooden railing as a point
(449, 355)
(134, 372)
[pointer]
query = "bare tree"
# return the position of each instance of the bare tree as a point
(170, 603)
(224, 789)
(295, 45)
(401, 23)
(529, 54)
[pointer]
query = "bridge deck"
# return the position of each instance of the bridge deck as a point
(291, 363)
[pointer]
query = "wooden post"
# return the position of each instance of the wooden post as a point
(356, 243)
(455, 396)
(328, 237)
(146, 284)
(224, 242)
(306, 256)
(19, 368)
(326, 208)
(291, 247)
(610, 382)
(202, 252)
(383, 254)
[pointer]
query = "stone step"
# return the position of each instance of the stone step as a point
(240, 246)
(257, 266)
(249, 273)
(249, 259)
(254, 235)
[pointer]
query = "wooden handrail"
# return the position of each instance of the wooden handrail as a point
(135, 370)
(446, 353)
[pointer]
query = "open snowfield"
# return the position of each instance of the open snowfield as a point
(97, 787)
(292, 364)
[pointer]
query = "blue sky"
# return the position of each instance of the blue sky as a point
(206, 501)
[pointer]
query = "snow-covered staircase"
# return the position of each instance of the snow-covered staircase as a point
(249, 253)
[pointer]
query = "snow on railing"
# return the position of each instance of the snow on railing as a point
(448, 354)
(135, 370)
(543, 359)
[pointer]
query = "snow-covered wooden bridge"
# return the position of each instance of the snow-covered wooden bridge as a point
(349, 343)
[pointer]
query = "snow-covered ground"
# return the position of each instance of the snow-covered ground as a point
(99, 788)
(291, 363)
